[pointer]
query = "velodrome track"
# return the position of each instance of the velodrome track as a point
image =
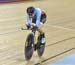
(59, 29)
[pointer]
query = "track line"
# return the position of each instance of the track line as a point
(60, 41)
(56, 26)
(55, 56)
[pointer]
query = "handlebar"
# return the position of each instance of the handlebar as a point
(32, 29)
(27, 29)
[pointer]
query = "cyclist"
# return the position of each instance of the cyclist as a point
(36, 18)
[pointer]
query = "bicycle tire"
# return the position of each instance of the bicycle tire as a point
(29, 47)
(41, 47)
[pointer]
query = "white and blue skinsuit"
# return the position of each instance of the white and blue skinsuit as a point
(37, 16)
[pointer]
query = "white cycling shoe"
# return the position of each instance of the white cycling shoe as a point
(43, 40)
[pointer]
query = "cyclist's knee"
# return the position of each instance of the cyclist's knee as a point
(42, 35)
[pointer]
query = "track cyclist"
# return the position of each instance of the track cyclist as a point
(36, 18)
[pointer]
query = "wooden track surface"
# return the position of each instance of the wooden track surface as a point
(59, 29)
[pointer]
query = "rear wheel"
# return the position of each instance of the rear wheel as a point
(41, 46)
(29, 47)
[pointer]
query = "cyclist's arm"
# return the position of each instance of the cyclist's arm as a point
(38, 18)
(29, 20)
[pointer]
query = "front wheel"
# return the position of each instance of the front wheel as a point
(41, 46)
(29, 47)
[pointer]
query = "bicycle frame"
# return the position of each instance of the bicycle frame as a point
(32, 43)
(34, 33)
(35, 37)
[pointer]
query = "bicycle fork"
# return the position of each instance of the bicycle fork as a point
(36, 41)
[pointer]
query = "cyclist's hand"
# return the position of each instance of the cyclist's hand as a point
(28, 26)
(35, 28)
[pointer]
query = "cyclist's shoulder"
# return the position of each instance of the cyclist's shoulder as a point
(38, 10)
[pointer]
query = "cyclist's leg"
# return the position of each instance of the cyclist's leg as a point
(41, 27)
(42, 23)
(42, 33)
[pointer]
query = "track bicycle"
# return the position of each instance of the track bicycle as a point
(33, 43)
